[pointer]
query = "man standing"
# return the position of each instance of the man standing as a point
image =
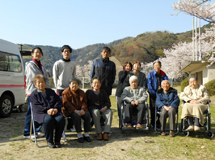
(167, 102)
(154, 80)
(105, 70)
(63, 70)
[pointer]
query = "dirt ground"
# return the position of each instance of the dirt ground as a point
(132, 144)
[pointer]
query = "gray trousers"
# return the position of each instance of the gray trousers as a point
(107, 115)
(164, 115)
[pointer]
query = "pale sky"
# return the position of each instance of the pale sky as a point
(79, 23)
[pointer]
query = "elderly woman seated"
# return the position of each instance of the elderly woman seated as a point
(46, 106)
(196, 98)
(135, 97)
(75, 106)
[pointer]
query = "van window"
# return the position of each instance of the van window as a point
(10, 62)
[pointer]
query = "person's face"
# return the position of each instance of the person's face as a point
(133, 84)
(66, 54)
(193, 83)
(37, 54)
(74, 86)
(105, 54)
(157, 67)
(127, 67)
(96, 84)
(165, 85)
(40, 84)
(136, 67)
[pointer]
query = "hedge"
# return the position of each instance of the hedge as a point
(211, 87)
(184, 84)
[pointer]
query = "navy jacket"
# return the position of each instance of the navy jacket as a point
(43, 101)
(152, 82)
(108, 77)
(169, 99)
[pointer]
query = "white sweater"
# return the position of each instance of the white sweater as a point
(62, 73)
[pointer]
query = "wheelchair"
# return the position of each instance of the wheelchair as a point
(157, 130)
(207, 124)
(145, 124)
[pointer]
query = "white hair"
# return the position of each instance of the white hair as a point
(163, 81)
(133, 78)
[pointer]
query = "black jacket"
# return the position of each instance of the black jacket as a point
(97, 101)
(142, 81)
(122, 75)
(106, 75)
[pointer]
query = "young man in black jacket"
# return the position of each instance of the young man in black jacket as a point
(105, 70)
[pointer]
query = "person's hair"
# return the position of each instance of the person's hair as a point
(96, 78)
(107, 49)
(66, 47)
(163, 81)
(137, 62)
(193, 77)
(133, 78)
(38, 76)
(125, 64)
(37, 48)
(157, 61)
(74, 79)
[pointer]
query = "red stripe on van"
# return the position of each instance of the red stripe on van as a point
(10, 85)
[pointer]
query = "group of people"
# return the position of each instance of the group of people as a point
(50, 109)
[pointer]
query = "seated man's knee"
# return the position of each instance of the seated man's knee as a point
(96, 111)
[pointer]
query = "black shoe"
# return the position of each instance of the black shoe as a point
(57, 145)
(81, 140)
(87, 139)
(51, 145)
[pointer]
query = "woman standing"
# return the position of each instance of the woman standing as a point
(33, 68)
(127, 67)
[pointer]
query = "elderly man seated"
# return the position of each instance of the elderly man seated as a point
(167, 102)
(135, 96)
(196, 98)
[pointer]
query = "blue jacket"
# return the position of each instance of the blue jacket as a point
(152, 82)
(106, 77)
(169, 99)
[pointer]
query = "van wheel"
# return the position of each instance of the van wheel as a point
(6, 106)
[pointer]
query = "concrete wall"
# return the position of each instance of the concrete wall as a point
(205, 74)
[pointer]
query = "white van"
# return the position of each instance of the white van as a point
(12, 83)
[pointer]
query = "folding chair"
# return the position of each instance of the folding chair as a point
(32, 124)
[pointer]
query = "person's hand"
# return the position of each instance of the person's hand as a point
(78, 112)
(54, 111)
(166, 108)
(136, 102)
(194, 102)
(103, 109)
(81, 112)
(132, 103)
(49, 112)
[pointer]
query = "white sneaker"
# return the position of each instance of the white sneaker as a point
(40, 134)
(28, 137)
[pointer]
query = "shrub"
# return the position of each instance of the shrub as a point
(211, 87)
(184, 84)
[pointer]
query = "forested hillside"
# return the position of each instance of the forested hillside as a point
(146, 47)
